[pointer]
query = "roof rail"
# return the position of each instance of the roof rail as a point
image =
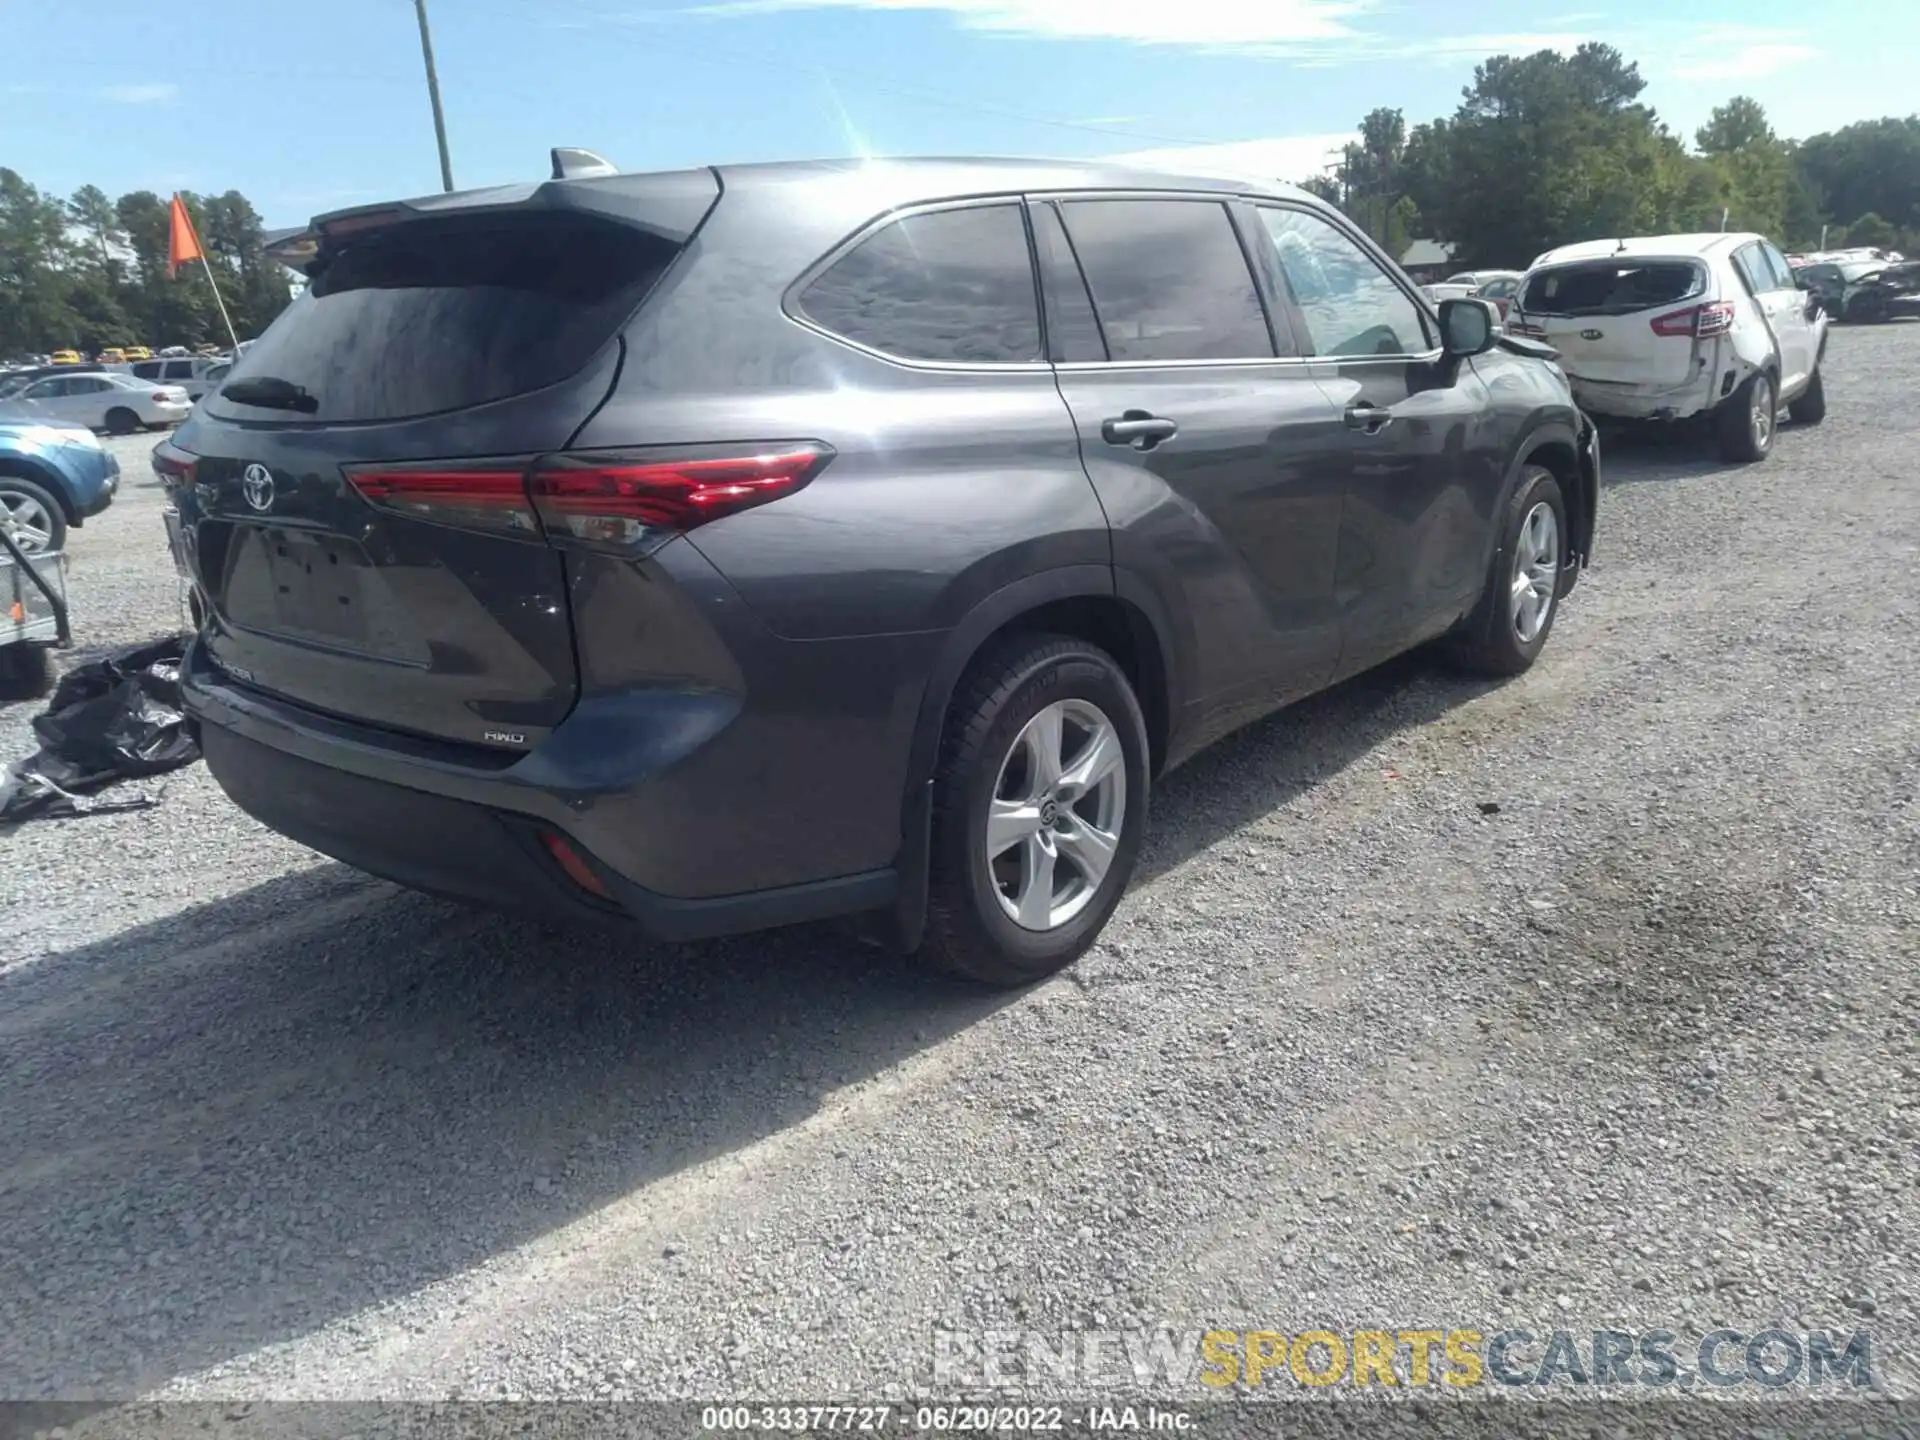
(572, 163)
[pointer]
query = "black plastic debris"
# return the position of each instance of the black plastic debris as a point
(112, 719)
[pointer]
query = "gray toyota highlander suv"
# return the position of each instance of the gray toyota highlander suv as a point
(723, 548)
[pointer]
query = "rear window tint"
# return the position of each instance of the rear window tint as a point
(949, 285)
(1169, 280)
(433, 316)
(1611, 287)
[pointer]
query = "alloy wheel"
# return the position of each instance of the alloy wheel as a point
(1059, 804)
(1536, 572)
(27, 520)
(1763, 414)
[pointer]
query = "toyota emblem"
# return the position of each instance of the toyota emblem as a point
(257, 484)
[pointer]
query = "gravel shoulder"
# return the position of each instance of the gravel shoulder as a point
(1637, 1048)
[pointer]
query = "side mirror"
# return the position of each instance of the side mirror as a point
(1468, 328)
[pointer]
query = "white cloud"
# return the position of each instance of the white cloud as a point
(1749, 62)
(1288, 157)
(1275, 24)
(1478, 47)
(158, 94)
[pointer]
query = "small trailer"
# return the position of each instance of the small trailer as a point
(33, 592)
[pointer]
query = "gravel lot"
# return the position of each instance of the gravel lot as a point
(1636, 1049)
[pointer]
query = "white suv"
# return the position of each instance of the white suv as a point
(1672, 326)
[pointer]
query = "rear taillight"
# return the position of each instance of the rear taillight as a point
(480, 497)
(623, 500)
(173, 465)
(620, 501)
(1701, 320)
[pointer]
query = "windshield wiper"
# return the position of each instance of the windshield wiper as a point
(270, 393)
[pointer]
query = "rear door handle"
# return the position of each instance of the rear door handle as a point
(1137, 428)
(1370, 418)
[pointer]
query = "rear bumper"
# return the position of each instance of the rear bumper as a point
(103, 491)
(621, 785)
(1645, 402)
(470, 851)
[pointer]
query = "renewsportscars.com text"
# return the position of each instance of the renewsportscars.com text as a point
(1515, 1357)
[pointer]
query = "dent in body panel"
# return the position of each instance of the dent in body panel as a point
(1412, 554)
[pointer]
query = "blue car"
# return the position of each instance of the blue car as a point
(52, 475)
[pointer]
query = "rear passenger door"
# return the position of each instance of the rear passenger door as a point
(1216, 456)
(1799, 335)
(1425, 456)
(1784, 309)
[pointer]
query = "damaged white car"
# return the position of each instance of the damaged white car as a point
(1675, 326)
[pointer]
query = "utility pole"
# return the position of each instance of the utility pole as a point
(433, 94)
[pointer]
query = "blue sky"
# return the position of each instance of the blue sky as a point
(307, 107)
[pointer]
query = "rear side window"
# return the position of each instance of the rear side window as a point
(947, 285)
(1611, 287)
(176, 370)
(147, 369)
(439, 315)
(1782, 271)
(1169, 280)
(1752, 265)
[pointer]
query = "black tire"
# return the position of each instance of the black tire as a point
(1809, 407)
(25, 672)
(1488, 641)
(1741, 438)
(968, 933)
(1867, 310)
(15, 487)
(122, 421)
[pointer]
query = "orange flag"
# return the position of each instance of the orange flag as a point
(182, 244)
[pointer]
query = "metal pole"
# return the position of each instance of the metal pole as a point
(232, 334)
(433, 94)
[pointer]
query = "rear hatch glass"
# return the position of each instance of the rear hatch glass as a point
(481, 339)
(1599, 314)
(438, 315)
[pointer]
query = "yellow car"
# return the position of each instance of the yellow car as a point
(111, 356)
(64, 357)
(139, 352)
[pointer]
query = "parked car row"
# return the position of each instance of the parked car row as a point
(1496, 286)
(1861, 288)
(100, 399)
(1674, 327)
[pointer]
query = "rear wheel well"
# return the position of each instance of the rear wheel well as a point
(1124, 633)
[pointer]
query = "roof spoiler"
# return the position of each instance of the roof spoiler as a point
(572, 163)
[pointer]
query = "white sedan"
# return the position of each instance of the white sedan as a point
(108, 401)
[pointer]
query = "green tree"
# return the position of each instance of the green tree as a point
(1753, 173)
(1872, 230)
(1546, 149)
(1872, 167)
(34, 247)
(93, 212)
